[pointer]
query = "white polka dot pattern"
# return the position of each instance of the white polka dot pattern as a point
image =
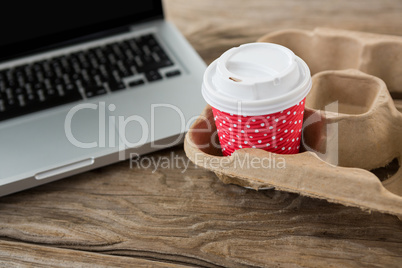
(279, 132)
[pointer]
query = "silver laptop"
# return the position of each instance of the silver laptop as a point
(82, 87)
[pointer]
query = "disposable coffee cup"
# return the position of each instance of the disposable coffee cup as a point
(257, 93)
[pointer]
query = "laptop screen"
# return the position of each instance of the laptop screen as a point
(28, 26)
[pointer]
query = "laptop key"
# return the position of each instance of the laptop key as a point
(28, 89)
(71, 87)
(41, 95)
(9, 94)
(117, 51)
(11, 83)
(31, 98)
(2, 106)
(99, 55)
(94, 90)
(21, 100)
(100, 91)
(134, 47)
(153, 76)
(60, 90)
(115, 86)
(123, 70)
(105, 74)
(130, 66)
(29, 73)
(20, 78)
(18, 91)
(112, 59)
(136, 83)
(48, 68)
(173, 73)
(11, 105)
(83, 60)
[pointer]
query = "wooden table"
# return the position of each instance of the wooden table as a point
(178, 216)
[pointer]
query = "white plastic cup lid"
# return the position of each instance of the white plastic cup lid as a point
(256, 79)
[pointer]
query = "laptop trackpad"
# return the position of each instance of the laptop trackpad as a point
(36, 144)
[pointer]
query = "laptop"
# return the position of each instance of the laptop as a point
(84, 85)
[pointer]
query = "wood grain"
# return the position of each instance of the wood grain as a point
(22, 254)
(131, 216)
(214, 26)
(187, 216)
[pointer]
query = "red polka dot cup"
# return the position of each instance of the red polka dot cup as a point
(257, 92)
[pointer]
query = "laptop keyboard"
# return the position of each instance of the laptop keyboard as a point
(88, 73)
